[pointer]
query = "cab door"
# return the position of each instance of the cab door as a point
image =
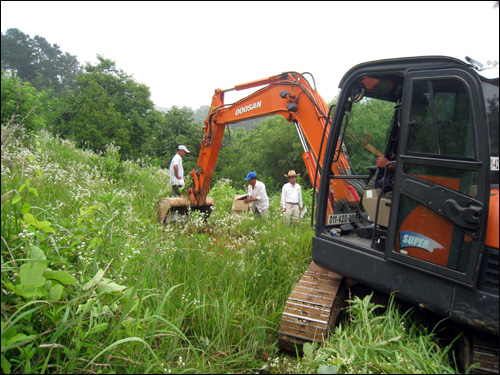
(440, 198)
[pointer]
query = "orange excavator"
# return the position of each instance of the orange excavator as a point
(430, 218)
(425, 227)
(288, 94)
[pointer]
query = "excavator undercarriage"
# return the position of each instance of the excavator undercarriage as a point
(312, 308)
(314, 305)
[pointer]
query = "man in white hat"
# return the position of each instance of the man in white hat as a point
(291, 198)
(177, 171)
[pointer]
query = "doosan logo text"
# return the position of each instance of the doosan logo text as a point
(247, 108)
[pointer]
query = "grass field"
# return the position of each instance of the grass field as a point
(91, 283)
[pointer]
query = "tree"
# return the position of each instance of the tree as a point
(107, 105)
(369, 122)
(275, 149)
(17, 54)
(22, 103)
(201, 114)
(36, 61)
(92, 120)
(171, 129)
(270, 149)
(230, 164)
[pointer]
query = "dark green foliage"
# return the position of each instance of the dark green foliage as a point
(369, 121)
(106, 106)
(230, 163)
(22, 103)
(37, 61)
(177, 127)
(273, 148)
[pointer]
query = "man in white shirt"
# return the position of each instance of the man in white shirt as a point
(177, 171)
(291, 198)
(257, 194)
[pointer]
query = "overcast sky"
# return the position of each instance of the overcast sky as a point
(183, 51)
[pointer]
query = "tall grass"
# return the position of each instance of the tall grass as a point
(92, 283)
(373, 340)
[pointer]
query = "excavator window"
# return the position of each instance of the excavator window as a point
(370, 129)
(440, 119)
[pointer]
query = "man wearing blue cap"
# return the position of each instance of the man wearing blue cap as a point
(257, 194)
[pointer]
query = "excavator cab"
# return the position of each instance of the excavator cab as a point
(433, 241)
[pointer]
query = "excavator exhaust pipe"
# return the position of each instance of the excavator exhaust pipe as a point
(175, 210)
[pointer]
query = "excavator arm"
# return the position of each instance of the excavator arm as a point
(288, 94)
(306, 317)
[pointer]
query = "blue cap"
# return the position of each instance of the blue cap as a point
(251, 175)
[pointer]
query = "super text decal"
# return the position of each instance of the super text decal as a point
(412, 239)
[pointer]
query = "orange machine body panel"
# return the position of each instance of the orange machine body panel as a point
(419, 229)
(492, 231)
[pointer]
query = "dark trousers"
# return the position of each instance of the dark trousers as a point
(175, 189)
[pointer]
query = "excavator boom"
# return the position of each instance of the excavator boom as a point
(288, 94)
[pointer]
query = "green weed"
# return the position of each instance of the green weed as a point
(92, 283)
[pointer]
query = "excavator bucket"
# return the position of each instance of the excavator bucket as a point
(170, 210)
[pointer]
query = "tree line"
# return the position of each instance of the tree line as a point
(98, 105)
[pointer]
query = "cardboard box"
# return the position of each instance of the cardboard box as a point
(239, 206)
(370, 198)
